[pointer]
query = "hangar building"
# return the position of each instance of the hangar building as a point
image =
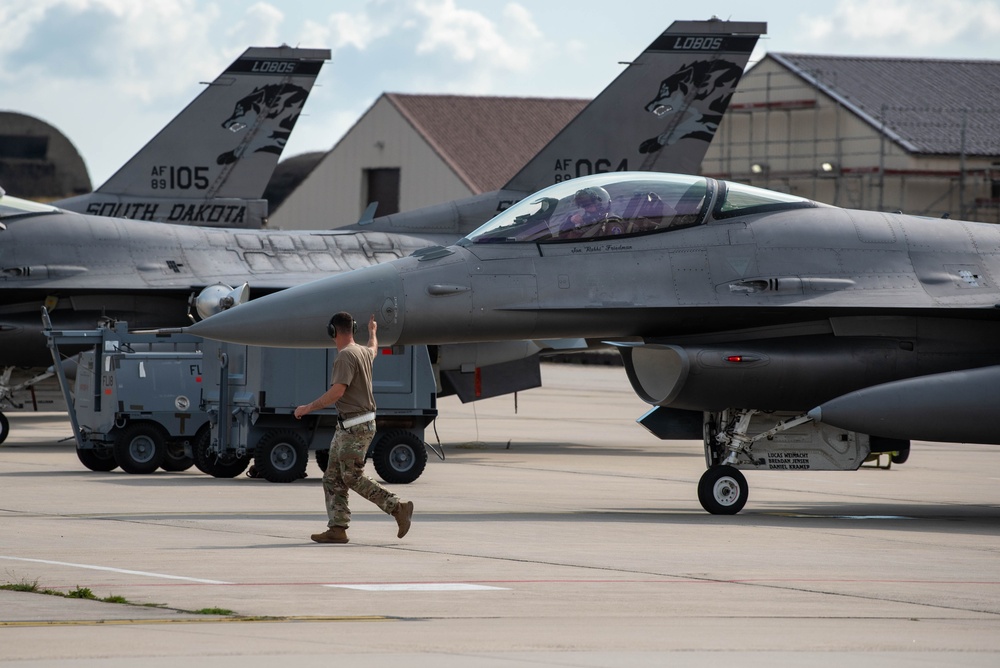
(37, 161)
(412, 151)
(917, 135)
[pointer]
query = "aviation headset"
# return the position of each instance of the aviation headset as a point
(331, 330)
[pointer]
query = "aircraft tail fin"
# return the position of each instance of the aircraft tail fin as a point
(211, 163)
(660, 114)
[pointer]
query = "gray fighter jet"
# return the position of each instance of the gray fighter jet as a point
(787, 334)
(211, 163)
(661, 112)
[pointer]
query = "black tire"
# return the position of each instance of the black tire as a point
(900, 456)
(101, 458)
(140, 447)
(723, 490)
(4, 427)
(217, 466)
(323, 458)
(176, 460)
(399, 456)
(281, 456)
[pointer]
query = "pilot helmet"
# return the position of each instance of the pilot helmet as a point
(595, 195)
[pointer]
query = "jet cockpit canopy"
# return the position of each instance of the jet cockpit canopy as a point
(625, 203)
(13, 206)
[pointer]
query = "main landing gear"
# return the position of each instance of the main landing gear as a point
(723, 489)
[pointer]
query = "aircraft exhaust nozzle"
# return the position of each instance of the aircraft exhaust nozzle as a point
(957, 406)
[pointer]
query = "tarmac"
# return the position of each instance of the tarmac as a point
(556, 532)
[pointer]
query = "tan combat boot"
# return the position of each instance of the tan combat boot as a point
(332, 535)
(403, 513)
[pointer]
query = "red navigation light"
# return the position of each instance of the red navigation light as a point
(741, 359)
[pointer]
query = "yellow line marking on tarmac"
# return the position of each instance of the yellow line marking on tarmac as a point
(199, 620)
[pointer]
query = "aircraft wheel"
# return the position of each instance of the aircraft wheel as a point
(101, 458)
(899, 456)
(399, 456)
(723, 490)
(215, 465)
(176, 459)
(323, 458)
(281, 456)
(4, 427)
(140, 448)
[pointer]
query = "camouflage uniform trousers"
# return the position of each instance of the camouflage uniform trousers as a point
(346, 471)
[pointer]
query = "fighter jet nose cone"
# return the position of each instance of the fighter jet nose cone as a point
(297, 317)
(816, 414)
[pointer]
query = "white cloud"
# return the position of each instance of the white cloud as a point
(141, 49)
(889, 25)
(468, 36)
(259, 26)
(356, 30)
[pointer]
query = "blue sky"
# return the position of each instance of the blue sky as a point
(110, 73)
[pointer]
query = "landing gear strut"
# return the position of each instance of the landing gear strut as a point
(723, 490)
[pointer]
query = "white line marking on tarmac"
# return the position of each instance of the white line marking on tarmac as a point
(414, 586)
(116, 570)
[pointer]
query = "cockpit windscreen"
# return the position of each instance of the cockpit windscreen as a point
(13, 206)
(599, 206)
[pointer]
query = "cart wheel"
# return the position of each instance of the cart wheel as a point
(281, 456)
(100, 458)
(323, 458)
(399, 456)
(175, 459)
(4, 427)
(723, 490)
(139, 448)
(215, 465)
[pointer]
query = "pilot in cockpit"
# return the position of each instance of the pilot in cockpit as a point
(594, 214)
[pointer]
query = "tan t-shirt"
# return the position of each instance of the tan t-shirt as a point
(353, 367)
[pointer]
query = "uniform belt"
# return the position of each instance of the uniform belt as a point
(356, 420)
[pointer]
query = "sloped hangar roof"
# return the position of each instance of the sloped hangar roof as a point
(486, 140)
(926, 105)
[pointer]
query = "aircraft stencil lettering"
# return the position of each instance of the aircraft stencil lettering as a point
(206, 214)
(698, 43)
(273, 101)
(183, 177)
(273, 66)
(571, 168)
